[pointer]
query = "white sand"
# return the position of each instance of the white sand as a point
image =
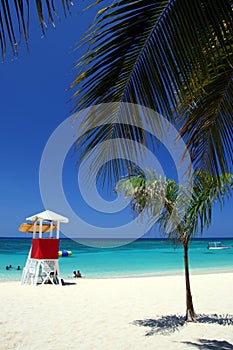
(100, 314)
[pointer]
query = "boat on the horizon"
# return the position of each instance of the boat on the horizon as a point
(217, 245)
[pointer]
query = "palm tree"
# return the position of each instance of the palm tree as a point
(164, 200)
(171, 57)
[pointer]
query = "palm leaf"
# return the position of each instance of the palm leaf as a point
(206, 124)
(206, 191)
(14, 20)
(155, 54)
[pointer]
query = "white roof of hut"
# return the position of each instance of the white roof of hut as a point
(48, 215)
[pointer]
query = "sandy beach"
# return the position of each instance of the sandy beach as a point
(126, 313)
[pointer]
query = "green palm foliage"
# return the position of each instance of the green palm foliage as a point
(171, 56)
(14, 20)
(163, 199)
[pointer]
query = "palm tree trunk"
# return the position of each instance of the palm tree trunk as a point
(190, 314)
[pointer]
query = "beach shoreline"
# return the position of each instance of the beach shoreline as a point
(117, 313)
(197, 271)
(138, 259)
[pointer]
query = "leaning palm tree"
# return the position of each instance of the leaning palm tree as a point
(179, 214)
(173, 57)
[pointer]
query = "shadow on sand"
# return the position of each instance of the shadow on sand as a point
(171, 323)
(64, 283)
(206, 344)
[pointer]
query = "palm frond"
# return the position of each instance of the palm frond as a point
(155, 54)
(120, 132)
(207, 190)
(143, 51)
(206, 123)
(14, 20)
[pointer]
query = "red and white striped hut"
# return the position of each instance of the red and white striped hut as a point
(42, 262)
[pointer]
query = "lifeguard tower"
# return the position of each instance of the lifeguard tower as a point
(42, 262)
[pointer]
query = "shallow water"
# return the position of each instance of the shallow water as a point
(139, 258)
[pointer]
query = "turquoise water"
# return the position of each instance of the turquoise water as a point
(139, 258)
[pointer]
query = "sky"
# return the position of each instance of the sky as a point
(34, 101)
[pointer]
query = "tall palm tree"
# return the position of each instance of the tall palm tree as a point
(163, 200)
(173, 57)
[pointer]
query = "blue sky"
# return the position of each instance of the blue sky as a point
(34, 101)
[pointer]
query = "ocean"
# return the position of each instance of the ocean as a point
(138, 258)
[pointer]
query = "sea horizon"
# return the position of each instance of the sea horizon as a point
(128, 238)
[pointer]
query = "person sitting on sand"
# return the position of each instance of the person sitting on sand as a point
(74, 272)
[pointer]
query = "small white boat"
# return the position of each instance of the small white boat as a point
(217, 245)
